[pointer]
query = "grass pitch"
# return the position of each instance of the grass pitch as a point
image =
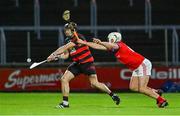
(85, 104)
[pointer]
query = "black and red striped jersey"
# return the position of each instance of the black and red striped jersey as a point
(79, 53)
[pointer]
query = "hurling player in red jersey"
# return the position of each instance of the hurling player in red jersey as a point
(140, 66)
(83, 62)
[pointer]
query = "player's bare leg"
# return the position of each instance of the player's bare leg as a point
(158, 91)
(143, 81)
(65, 82)
(134, 83)
(96, 84)
(143, 88)
(65, 88)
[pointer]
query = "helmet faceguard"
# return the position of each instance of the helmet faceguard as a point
(71, 25)
(114, 37)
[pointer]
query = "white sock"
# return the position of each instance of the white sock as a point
(65, 102)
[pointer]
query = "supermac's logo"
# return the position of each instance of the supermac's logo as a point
(33, 80)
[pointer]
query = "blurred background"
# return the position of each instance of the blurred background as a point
(34, 29)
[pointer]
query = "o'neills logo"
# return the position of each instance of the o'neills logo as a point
(32, 80)
(170, 73)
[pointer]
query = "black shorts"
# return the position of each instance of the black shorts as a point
(85, 68)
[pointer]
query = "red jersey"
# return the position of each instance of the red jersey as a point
(80, 53)
(128, 56)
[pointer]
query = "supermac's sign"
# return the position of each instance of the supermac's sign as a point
(23, 79)
(48, 79)
(31, 80)
(157, 73)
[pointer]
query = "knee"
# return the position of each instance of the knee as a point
(142, 89)
(133, 88)
(64, 80)
(94, 84)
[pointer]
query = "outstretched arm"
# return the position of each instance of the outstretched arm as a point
(92, 45)
(60, 50)
(107, 45)
(64, 55)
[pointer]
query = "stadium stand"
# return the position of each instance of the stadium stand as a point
(119, 13)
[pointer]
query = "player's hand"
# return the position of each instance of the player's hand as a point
(95, 40)
(52, 57)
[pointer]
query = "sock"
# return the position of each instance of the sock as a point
(111, 94)
(160, 99)
(65, 103)
(65, 100)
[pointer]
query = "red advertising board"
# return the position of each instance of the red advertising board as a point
(47, 79)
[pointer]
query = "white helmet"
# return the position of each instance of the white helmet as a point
(114, 37)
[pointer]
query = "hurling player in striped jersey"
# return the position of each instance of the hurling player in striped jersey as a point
(83, 63)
